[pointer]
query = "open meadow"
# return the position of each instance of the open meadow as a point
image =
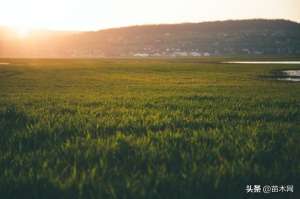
(146, 128)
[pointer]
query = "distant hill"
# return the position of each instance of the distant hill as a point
(221, 38)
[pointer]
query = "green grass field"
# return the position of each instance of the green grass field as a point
(157, 129)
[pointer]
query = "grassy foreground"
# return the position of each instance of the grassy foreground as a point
(186, 128)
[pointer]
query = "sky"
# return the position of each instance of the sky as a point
(99, 14)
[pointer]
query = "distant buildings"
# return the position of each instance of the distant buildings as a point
(170, 53)
(141, 55)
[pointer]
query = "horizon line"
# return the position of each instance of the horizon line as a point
(148, 24)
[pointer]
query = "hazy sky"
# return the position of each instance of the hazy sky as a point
(98, 14)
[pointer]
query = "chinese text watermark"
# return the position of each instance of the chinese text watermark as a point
(267, 189)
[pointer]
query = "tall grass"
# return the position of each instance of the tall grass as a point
(145, 129)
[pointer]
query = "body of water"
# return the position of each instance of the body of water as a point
(295, 73)
(291, 75)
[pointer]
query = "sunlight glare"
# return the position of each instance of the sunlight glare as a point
(95, 14)
(22, 32)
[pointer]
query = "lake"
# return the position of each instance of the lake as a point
(291, 75)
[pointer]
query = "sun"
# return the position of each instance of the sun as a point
(23, 32)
